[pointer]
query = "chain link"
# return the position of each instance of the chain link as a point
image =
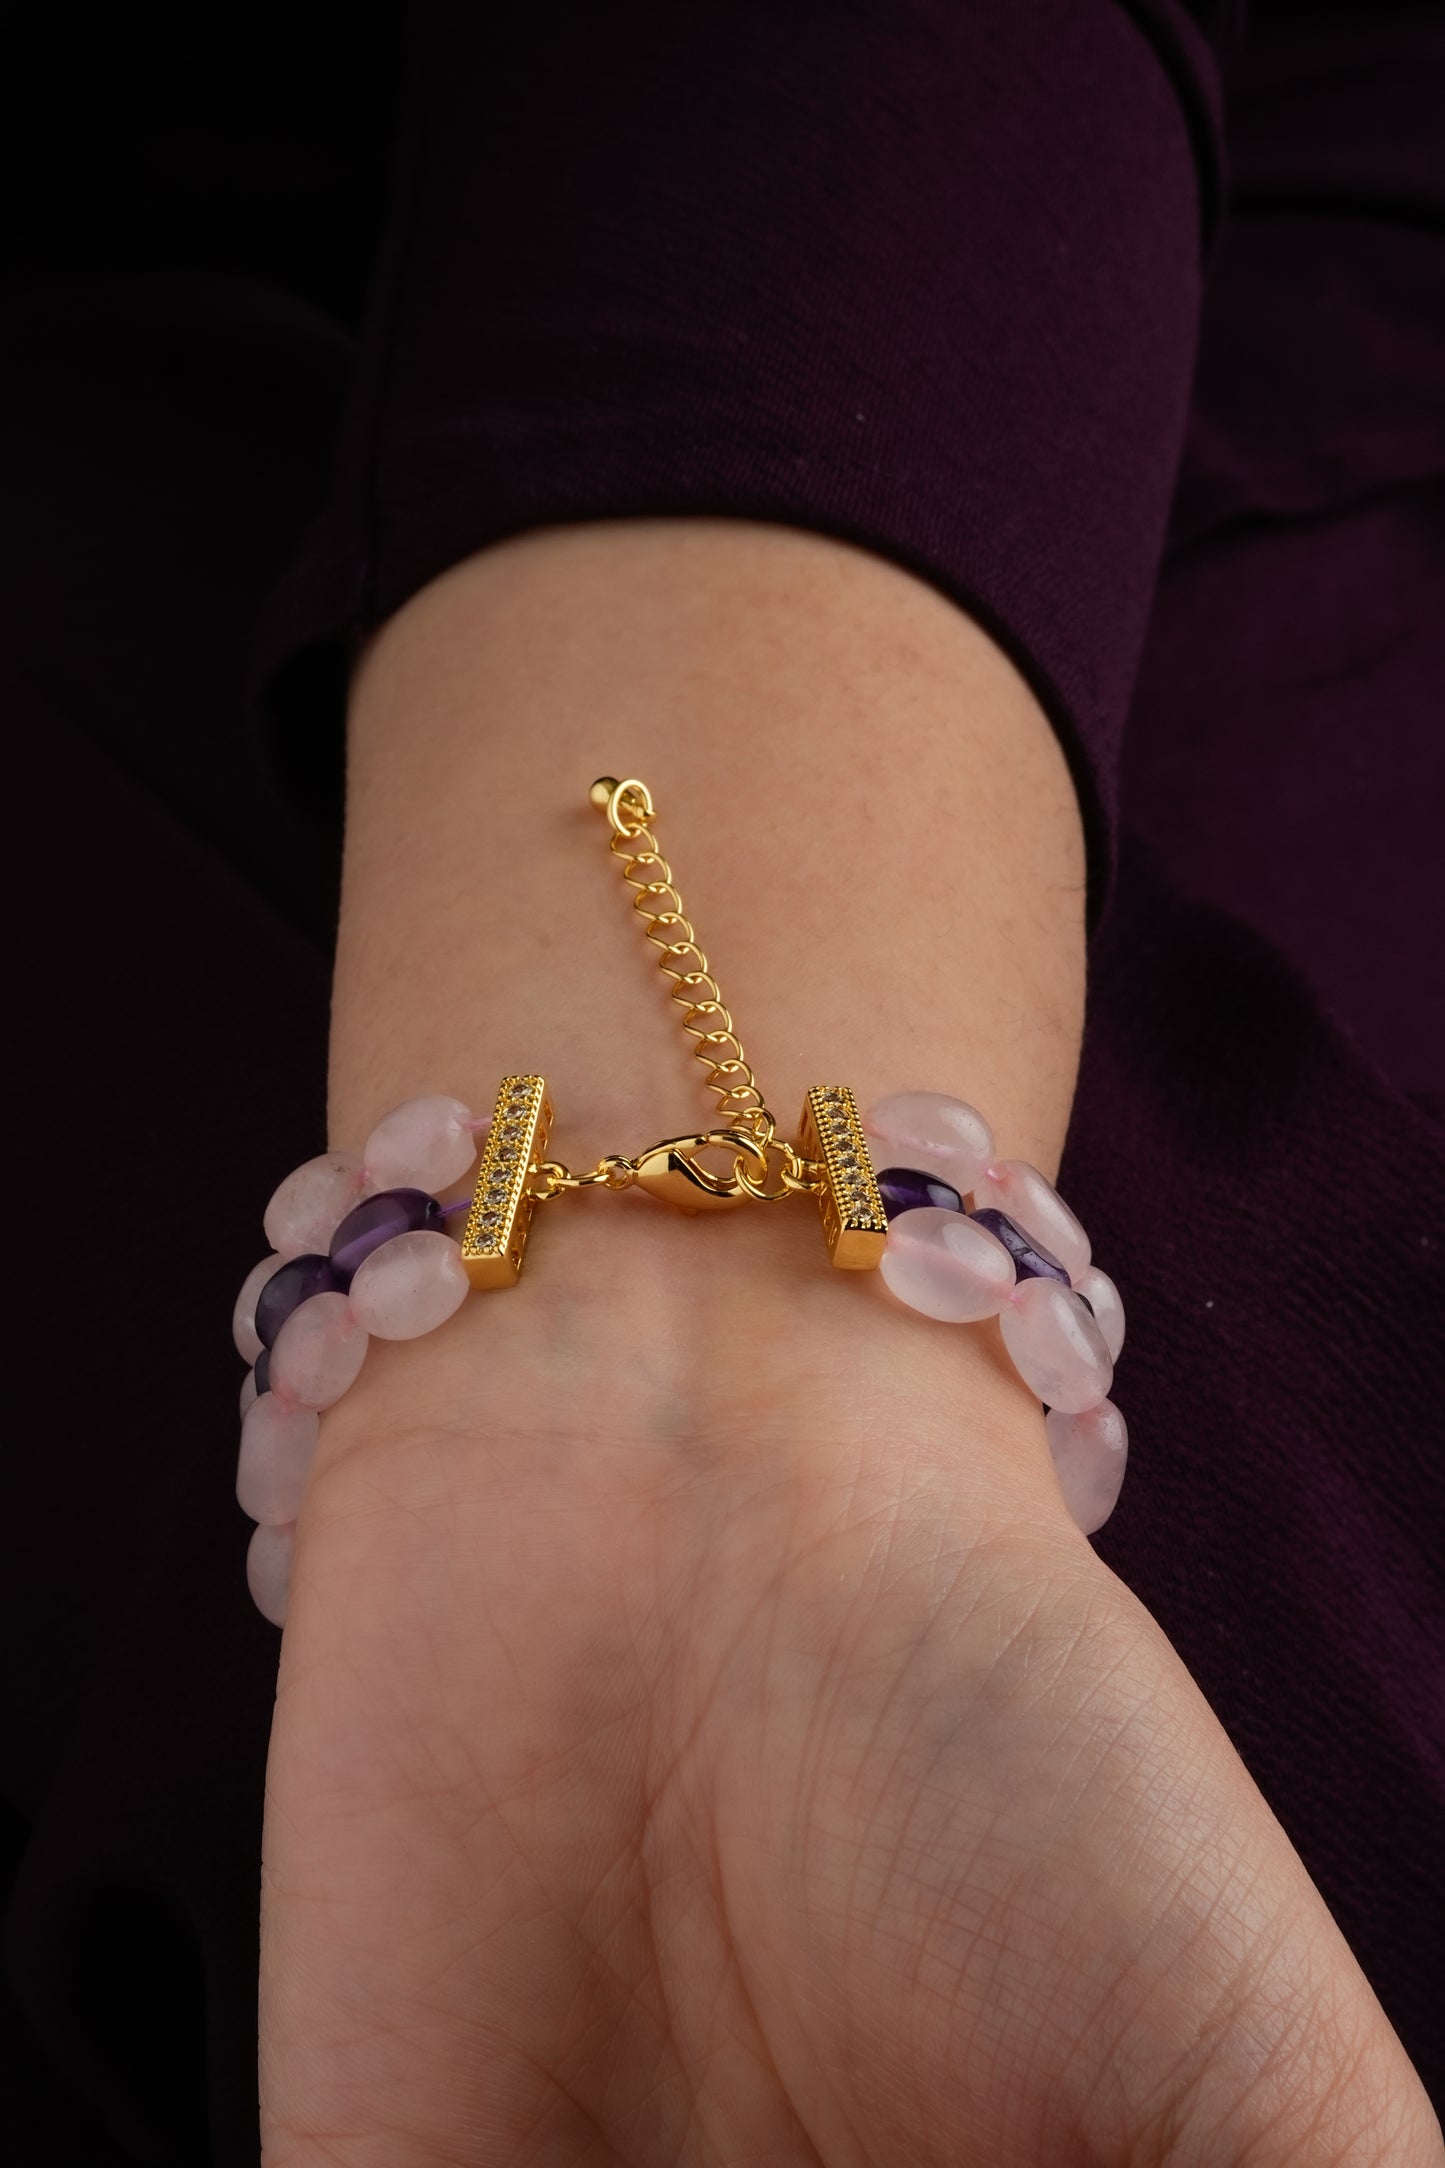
(613, 1169)
(705, 1017)
(673, 1168)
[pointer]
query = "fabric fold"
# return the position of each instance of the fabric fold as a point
(891, 272)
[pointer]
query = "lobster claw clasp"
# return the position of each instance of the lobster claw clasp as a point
(672, 1171)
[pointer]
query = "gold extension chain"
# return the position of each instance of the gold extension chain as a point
(516, 1176)
(705, 1017)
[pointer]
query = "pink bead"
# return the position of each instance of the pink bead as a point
(248, 1391)
(318, 1351)
(1032, 1202)
(931, 1132)
(1056, 1347)
(410, 1285)
(425, 1143)
(278, 1442)
(945, 1265)
(1089, 1454)
(243, 1317)
(1100, 1292)
(309, 1206)
(268, 1571)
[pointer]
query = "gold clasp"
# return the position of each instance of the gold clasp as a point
(672, 1171)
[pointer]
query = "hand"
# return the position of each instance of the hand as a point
(702, 1737)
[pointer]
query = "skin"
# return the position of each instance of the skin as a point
(701, 1734)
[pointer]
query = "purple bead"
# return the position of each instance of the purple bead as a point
(289, 1286)
(379, 1219)
(904, 1189)
(1031, 1261)
(262, 1372)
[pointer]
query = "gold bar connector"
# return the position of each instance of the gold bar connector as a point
(494, 1240)
(854, 1223)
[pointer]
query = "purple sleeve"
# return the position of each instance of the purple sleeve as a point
(922, 274)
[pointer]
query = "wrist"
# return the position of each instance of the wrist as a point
(908, 921)
(723, 1343)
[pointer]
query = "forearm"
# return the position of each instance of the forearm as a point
(870, 817)
(872, 827)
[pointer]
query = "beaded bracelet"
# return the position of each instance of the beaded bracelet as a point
(361, 1245)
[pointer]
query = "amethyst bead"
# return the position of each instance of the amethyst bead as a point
(1031, 1261)
(289, 1286)
(904, 1189)
(379, 1219)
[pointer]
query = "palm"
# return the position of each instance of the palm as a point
(664, 1805)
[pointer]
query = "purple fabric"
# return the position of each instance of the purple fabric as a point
(1124, 333)
(898, 282)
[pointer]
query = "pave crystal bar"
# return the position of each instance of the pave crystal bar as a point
(494, 1240)
(854, 1222)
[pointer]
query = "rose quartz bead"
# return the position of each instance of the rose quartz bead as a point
(268, 1571)
(318, 1351)
(243, 1317)
(248, 1391)
(408, 1286)
(425, 1143)
(1089, 1454)
(947, 1266)
(933, 1133)
(311, 1203)
(1032, 1202)
(1103, 1296)
(278, 1441)
(1056, 1347)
